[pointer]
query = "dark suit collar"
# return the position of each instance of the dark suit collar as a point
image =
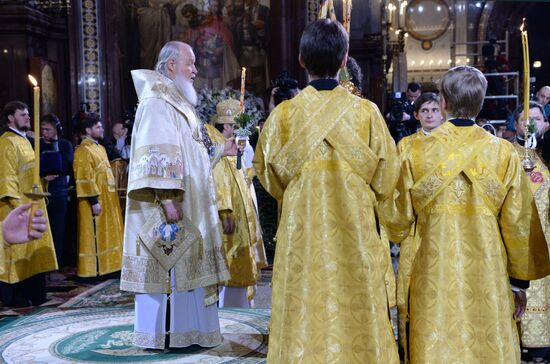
(324, 84)
(462, 122)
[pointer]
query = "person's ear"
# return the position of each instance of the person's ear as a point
(11, 118)
(344, 61)
(443, 104)
(301, 61)
(171, 65)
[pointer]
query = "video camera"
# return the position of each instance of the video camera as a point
(287, 87)
(400, 128)
(399, 105)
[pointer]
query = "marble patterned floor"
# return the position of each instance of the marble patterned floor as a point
(104, 335)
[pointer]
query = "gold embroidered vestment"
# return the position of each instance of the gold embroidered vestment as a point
(535, 323)
(99, 238)
(329, 157)
(21, 261)
(467, 194)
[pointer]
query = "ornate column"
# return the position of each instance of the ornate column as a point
(89, 66)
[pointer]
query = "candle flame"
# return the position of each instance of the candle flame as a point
(33, 80)
(522, 25)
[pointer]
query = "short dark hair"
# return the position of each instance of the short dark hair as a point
(424, 98)
(88, 122)
(54, 121)
(532, 105)
(354, 72)
(10, 108)
(413, 87)
(323, 46)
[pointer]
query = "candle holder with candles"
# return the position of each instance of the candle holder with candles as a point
(247, 127)
(527, 160)
(530, 126)
(530, 144)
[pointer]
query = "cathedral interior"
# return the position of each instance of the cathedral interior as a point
(82, 53)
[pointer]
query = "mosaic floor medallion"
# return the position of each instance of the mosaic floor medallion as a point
(105, 336)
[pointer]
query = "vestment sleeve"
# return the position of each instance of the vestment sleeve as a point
(397, 214)
(382, 144)
(269, 145)
(222, 177)
(9, 181)
(520, 226)
(157, 159)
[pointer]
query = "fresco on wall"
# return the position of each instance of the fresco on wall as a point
(225, 35)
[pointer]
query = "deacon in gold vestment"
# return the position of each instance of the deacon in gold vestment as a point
(329, 157)
(100, 227)
(21, 282)
(428, 113)
(467, 194)
(237, 214)
(170, 171)
(535, 323)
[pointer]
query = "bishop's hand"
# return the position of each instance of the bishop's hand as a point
(15, 227)
(172, 211)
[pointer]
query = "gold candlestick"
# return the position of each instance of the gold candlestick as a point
(526, 74)
(526, 161)
(36, 192)
(36, 122)
(243, 78)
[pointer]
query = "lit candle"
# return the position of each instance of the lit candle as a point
(526, 72)
(243, 78)
(36, 119)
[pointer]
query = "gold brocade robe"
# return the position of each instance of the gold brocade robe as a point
(234, 199)
(470, 199)
(329, 156)
(21, 261)
(535, 323)
(99, 238)
(408, 248)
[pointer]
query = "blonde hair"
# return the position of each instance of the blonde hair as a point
(463, 89)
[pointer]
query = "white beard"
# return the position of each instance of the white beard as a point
(186, 88)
